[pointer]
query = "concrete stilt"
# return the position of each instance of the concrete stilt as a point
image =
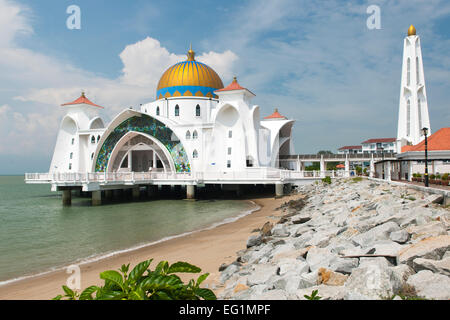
(96, 198)
(152, 191)
(190, 192)
(279, 188)
(108, 194)
(136, 192)
(66, 197)
(117, 193)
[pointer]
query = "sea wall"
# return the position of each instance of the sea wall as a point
(349, 240)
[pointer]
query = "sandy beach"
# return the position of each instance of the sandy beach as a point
(207, 249)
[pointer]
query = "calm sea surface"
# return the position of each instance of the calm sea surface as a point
(38, 234)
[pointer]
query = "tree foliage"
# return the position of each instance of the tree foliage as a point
(144, 284)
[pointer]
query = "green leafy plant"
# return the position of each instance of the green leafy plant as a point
(327, 179)
(357, 179)
(144, 284)
(313, 296)
(445, 176)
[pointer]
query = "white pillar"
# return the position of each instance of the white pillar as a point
(322, 167)
(347, 166)
(96, 198)
(190, 192)
(279, 189)
(388, 171)
(372, 167)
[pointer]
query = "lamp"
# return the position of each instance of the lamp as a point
(425, 132)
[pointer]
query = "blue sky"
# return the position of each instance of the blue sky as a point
(315, 61)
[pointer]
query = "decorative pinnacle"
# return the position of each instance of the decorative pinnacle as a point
(411, 31)
(191, 53)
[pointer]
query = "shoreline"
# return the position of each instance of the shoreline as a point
(207, 248)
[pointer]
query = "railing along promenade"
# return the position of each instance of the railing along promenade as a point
(249, 176)
(339, 157)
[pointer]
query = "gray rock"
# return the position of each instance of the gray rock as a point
(257, 255)
(387, 247)
(344, 265)
(356, 296)
(380, 232)
(319, 258)
(261, 274)
(270, 295)
(430, 285)
(435, 198)
(400, 236)
(402, 272)
(307, 280)
(374, 280)
(431, 248)
(431, 229)
(324, 291)
(254, 240)
(436, 266)
(280, 230)
(289, 265)
(228, 272)
(301, 218)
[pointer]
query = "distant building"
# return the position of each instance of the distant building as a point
(350, 150)
(412, 158)
(387, 145)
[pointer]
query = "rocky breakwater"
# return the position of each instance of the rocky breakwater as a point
(351, 239)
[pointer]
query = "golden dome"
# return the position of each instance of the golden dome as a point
(188, 78)
(411, 31)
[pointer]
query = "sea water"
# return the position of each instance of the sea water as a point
(38, 234)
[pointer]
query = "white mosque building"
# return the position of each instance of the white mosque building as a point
(195, 126)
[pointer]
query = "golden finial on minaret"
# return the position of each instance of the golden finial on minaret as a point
(234, 79)
(191, 53)
(411, 31)
(82, 94)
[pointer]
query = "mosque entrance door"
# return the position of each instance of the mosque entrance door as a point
(140, 153)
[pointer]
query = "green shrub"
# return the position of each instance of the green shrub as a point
(432, 177)
(313, 296)
(327, 179)
(159, 284)
(438, 176)
(419, 175)
(445, 176)
(357, 179)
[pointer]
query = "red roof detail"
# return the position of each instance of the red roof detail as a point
(234, 85)
(440, 140)
(340, 166)
(380, 140)
(275, 115)
(350, 147)
(82, 100)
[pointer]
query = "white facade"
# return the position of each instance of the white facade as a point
(378, 146)
(413, 104)
(178, 133)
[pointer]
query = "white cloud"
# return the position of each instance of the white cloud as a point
(40, 83)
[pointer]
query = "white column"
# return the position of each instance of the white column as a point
(347, 166)
(154, 159)
(372, 167)
(130, 160)
(388, 171)
(322, 167)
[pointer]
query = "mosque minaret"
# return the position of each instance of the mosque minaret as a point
(413, 104)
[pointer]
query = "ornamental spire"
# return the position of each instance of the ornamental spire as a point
(191, 54)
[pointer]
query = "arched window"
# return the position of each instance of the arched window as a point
(92, 139)
(195, 154)
(98, 138)
(92, 155)
(188, 135)
(157, 111)
(417, 70)
(70, 166)
(73, 140)
(71, 155)
(197, 111)
(408, 118)
(177, 111)
(194, 135)
(419, 110)
(408, 71)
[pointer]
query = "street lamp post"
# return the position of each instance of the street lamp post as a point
(425, 132)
